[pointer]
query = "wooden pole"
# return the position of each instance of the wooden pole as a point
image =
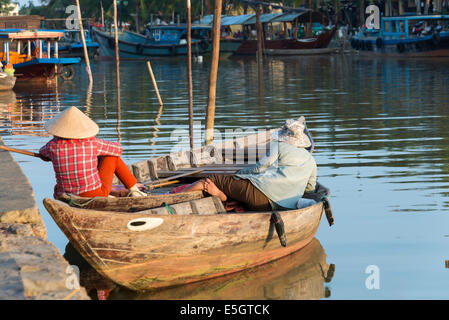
(117, 54)
(137, 16)
(259, 34)
(25, 152)
(117, 63)
(102, 14)
(189, 73)
(86, 54)
(310, 19)
(210, 112)
(259, 51)
(150, 70)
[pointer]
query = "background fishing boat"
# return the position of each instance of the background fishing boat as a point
(290, 35)
(34, 63)
(71, 46)
(162, 40)
(406, 36)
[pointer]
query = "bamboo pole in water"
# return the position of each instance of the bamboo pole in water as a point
(259, 52)
(189, 74)
(102, 14)
(117, 57)
(310, 19)
(117, 63)
(86, 54)
(150, 70)
(210, 112)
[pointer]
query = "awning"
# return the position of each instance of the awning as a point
(264, 18)
(288, 17)
(235, 20)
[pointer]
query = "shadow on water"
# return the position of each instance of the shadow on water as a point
(302, 275)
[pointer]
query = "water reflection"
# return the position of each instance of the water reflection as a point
(302, 275)
(380, 127)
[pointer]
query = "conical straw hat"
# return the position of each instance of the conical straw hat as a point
(72, 124)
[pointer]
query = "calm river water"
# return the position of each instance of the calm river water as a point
(382, 147)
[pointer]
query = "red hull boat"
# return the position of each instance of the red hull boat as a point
(321, 41)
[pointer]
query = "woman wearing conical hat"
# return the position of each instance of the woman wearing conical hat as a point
(84, 165)
(277, 181)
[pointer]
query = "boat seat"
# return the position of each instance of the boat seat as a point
(207, 205)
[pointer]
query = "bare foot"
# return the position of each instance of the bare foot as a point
(213, 190)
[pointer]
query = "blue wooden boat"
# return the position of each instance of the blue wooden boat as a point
(71, 45)
(23, 50)
(161, 40)
(408, 36)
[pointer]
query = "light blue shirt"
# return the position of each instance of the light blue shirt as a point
(284, 174)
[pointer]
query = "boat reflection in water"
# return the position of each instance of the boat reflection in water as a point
(300, 276)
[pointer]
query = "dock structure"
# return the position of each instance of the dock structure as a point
(30, 266)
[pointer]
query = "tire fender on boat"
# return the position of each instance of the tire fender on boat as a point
(400, 47)
(379, 43)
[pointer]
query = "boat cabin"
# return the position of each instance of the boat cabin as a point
(173, 34)
(410, 27)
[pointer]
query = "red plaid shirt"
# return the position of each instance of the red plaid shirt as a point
(75, 162)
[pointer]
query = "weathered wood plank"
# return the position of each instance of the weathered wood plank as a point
(179, 160)
(128, 204)
(141, 170)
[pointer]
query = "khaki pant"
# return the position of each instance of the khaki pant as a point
(241, 190)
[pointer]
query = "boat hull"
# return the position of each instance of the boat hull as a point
(135, 50)
(40, 69)
(321, 41)
(183, 248)
(426, 46)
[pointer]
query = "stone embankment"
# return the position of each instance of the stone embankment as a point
(30, 266)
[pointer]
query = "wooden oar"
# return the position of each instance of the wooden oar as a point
(25, 152)
(159, 181)
(163, 184)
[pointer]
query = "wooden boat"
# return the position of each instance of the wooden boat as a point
(7, 82)
(320, 41)
(71, 45)
(143, 250)
(174, 239)
(34, 64)
(164, 40)
(406, 36)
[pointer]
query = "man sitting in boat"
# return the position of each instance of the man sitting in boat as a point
(84, 165)
(276, 182)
